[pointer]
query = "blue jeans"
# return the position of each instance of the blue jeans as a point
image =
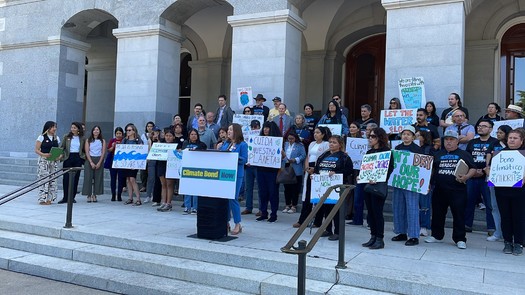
(495, 213)
(235, 208)
(359, 203)
(475, 187)
(190, 202)
(152, 173)
(250, 174)
(406, 212)
(424, 209)
(268, 192)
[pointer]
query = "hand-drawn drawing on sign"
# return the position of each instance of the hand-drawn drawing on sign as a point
(265, 151)
(507, 169)
(412, 92)
(393, 121)
(374, 167)
(130, 156)
(411, 171)
(356, 148)
(174, 164)
(244, 96)
(320, 183)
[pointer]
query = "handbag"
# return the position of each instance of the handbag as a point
(286, 176)
(379, 189)
(108, 162)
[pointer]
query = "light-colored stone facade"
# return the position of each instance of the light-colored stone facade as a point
(295, 49)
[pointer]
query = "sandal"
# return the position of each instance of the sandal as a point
(94, 199)
(128, 201)
(138, 203)
(89, 199)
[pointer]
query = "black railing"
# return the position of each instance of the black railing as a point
(41, 181)
(305, 247)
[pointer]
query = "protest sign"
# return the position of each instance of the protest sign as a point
(244, 97)
(356, 148)
(174, 164)
(507, 169)
(209, 173)
(515, 123)
(336, 129)
(130, 156)
(393, 121)
(412, 93)
(246, 120)
(320, 183)
(159, 151)
(374, 167)
(411, 171)
(265, 151)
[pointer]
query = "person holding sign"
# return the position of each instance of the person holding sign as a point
(450, 190)
(95, 149)
(236, 144)
(166, 183)
(511, 203)
(293, 155)
(132, 137)
(115, 174)
(334, 116)
(405, 203)
(334, 161)
(74, 156)
(46, 141)
(315, 149)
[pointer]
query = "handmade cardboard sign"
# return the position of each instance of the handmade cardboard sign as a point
(374, 167)
(507, 169)
(412, 171)
(320, 183)
(130, 156)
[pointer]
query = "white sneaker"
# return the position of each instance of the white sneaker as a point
(423, 232)
(147, 200)
(431, 239)
(481, 206)
(493, 239)
(461, 245)
(285, 210)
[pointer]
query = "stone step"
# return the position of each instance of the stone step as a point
(87, 256)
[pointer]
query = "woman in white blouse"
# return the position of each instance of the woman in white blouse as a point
(95, 149)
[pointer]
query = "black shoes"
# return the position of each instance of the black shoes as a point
(370, 242)
(508, 248)
(261, 218)
(64, 201)
(412, 242)
(333, 237)
(272, 219)
(400, 237)
(326, 234)
(378, 244)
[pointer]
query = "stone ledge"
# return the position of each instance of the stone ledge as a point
(278, 16)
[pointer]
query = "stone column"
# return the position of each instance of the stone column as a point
(266, 55)
(314, 79)
(148, 71)
(426, 38)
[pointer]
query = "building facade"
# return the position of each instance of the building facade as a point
(113, 62)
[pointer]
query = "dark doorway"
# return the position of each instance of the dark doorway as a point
(365, 76)
(513, 64)
(185, 86)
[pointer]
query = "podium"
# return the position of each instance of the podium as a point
(212, 218)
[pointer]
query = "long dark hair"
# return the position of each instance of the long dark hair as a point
(92, 137)
(338, 113)
(80, 130)
(48, 125)
(506, 129)
(274, 129)
(382, 137)
(196, 131)
(119, 129)
(458, 98)
(238, 137)
(325, 131)
(146, 127)
(433, 108)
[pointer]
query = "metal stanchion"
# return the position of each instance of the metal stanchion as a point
(71, 194)
(301, 270)
(342, 214)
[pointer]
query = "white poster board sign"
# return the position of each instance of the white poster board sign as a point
(515, 123)
(412, 92)
(246, 120)
(507, 169)
(265, 151)
(411, 171)
(393, 121)
(159, 151)
(374, 167)
(336, 129)
(174, 164)
(356, 148)
(320, 183)
(209, 173)
(244, 97)
(130, 156)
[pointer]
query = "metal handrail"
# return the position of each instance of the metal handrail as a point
(304, 247)
(41, 181)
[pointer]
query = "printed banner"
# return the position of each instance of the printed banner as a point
(393, 121)
(265, 151)
(130, 156)
(412, 93)
(411, 171)
(336, 129)
(515, 123)
(507, 169)
(320, 183)
(159, 151)
(208, 173)
(374, 167)
(246, 120)
(174, 164)
(244, 97)
(356, 148)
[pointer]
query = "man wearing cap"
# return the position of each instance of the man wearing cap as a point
(275, 111)
(479, 148)
(513, 112)
(465, 131)
(224, 115)
(259, 108)
(450, 190)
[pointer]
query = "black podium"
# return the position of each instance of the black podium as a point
(212, 218)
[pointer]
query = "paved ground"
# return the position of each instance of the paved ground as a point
(481, 264)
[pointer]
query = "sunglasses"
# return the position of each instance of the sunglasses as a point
(129, 130)
(373, 136)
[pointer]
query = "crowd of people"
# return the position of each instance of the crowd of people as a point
(311, 148)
